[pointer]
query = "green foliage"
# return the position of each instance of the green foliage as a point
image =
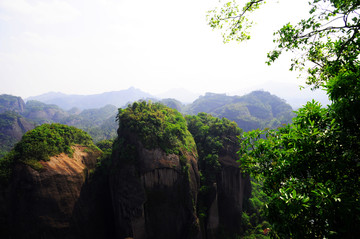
(213, 137)
(105, 145)
(326, 42)
(232, 21)
(253, 218)
(104, 162)
(157, 126)
(6, 164)
(311, 174)
(49, 140)
(41, 143)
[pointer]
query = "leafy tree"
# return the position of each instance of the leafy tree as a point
(310, 175)
(310, 168)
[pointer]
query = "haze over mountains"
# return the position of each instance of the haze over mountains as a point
(122, 97)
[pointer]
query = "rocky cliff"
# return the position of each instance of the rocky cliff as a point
(154, 188)
(233, 188)
(230, 189)
(154, 196)
(224, 188)
(44, 203)
(150, 187)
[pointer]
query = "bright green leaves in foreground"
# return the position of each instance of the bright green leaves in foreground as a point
(156, 126)
(310, 171)
(325, 41)
(231, 19)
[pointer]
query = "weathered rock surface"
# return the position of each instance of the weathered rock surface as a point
(48, 203)
(154, 194)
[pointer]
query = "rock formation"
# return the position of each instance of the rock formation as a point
(233, 188)
(224, 188)
(225, 203)
(148, 189)
(45, 203)
(154, 194)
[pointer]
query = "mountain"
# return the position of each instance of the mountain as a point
(16, 118)
(258, 109)
(11, 103)
(51, 187)
(12, 128)
(40, 112)
(57, 184)
(290, 92)
(117, 98)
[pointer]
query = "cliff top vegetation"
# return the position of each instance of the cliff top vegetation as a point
(41, 143)
(157, 126)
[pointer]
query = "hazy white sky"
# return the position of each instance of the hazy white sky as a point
(93, 46)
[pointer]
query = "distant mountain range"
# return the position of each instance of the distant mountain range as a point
(96, 113)
(117, 98)
(288, 91)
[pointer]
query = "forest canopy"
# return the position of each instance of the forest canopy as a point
(156, 125)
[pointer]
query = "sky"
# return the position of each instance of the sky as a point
(95, 46)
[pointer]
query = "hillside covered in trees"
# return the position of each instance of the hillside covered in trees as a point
(256, 110)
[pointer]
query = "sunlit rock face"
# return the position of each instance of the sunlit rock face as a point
(55, 201)
(154, 194)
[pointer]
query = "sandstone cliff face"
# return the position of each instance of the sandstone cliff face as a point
(45, 203)
(154, 194)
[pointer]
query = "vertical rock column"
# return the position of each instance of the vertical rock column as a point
(154, 194)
